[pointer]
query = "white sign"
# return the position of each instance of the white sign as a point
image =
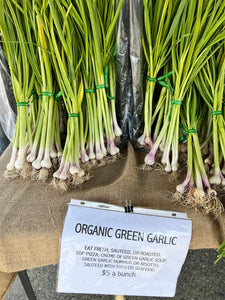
(106, 251)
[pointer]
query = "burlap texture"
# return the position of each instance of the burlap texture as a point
(32, 213)
(6, 280)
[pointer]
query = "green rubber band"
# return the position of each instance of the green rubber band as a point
(58, 95)
(217, 113)
(176, 102)
(184, 137)
(106, 76)
(110, 97)
(33, 92)
(89, 91)
(192, 131)
(160, 81)
(73, 115)
(164, 84)
(22, 103)
(114, 51)
(50, 94)
(165, 76)
(114, 56)
(182, 129)
(170, 87)
(160, 78)
(151, 79)
(101, 86)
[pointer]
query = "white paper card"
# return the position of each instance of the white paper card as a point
(111, 252)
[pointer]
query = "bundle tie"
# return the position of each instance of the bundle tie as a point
(50, 94)
(57, 96)
(22, 103)
(106, 77)
(174, 102)
(217, 113)
(45, 94)
(33, 92)
(184, 137)
(100, 86)
(160, 80)
(186, 133)
(73, 115)
(192, 131)
(89, 91)
(114, 56)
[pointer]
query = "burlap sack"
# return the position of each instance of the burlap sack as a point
(6, 281)
(32, 213)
